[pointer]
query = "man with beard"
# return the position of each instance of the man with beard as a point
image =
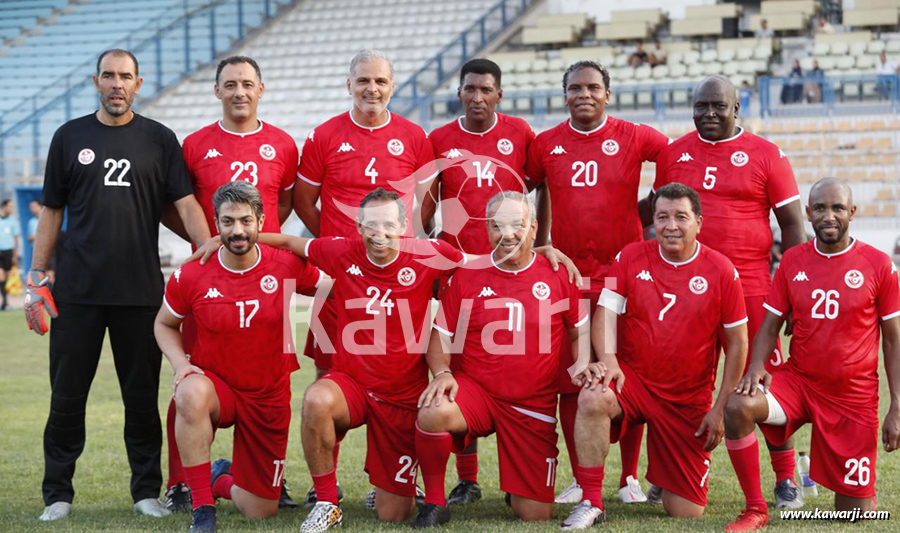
(840, 292)
(238, 373)
(741, 178)
(591, 164)
(113, 171)
(239, 146)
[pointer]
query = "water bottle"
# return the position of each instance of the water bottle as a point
(808, 487)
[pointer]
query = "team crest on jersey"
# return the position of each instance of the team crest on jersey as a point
(698, 285)
(406, 276)
(854, 279)
(505, 146)
(86, 156)
(610, 147)
(267, 152)
(268, 284)
(740, 159)
(540, 290)
(395, 147)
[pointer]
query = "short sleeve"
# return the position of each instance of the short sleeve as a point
(888, 297)
(187, 150)
(308, 276)
(615, 292)
(178, 181)
(778, 302)
(651, 142)
(448, 313)
(662, 170)
(176, 298)
(426, 166)
(577, 314)
(323, 252)
(292, 160)
(733, 309)
(534, 166)
(55, 194)
(16, 229)
(781, 185)
(312, 164)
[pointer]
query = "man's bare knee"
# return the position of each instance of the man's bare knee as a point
(319, 401)
(679, 507)
(392, 507)
(193, 396)
(436, 417)
(531, 510)
(596, 402)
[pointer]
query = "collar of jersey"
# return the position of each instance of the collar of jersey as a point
(392, 261)
(733, 137)
(588, 133)
(257, 130)
(258, 259)
(386, 122)
(681, 264)
(483, 133)
(523, 269)
(842, 252)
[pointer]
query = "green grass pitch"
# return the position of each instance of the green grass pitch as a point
(102, 502)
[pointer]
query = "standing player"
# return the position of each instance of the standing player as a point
(238, 373)
(483, 153)
(500, 320)
(668, 377)
(591, 163)
(839, 290)
(113, 170)
(9, 245)
(740, 177)
(237, 147)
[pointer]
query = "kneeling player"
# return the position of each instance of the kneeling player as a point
(238, 374)
(675, 296)
(838, 290)
(507, 323)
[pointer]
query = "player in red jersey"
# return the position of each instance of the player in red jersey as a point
(480, 154)
(591, 163)
(238, 373)
(740, 177)
(667, 376)
(515, 316)
(839, 291)
(237, 147)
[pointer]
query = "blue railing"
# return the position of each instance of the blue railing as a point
(168, 49)
(423, 82)
(829, 95)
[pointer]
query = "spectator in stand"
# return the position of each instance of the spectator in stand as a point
(813, 86)
(792, 91)
(745, 94)
(763, 30)
(823, 26)
(887, 73)
(639, 57)
(659, 54)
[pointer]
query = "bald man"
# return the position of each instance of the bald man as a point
(740, 177)
(840, 291)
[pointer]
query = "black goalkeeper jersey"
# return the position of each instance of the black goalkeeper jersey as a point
(114, 181)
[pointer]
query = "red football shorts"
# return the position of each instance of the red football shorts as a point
(755, 315)
(261, 428)
(843, 450)
(327, 316)
(526, 440)
(390, 436)
(675, 457)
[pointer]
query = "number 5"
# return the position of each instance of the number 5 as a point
(709, 180)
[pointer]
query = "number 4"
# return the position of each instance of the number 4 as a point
(370, 170)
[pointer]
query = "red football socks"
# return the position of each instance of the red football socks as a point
(326, 487)
(568, 406)
(199, 479)
(630, 447)
(591, 480)
(433, 450)
(467, 467)
(222, 486)
(783, 463)
(744, 453)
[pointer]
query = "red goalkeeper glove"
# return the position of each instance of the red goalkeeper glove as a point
(37, 296)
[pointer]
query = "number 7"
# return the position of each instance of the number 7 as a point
(668, 306)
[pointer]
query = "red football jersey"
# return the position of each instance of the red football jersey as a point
(512, 325)
(381, 311)
(348, 161)
(474, 167)
(672, 315)
(593, 179)
(837, 301)
(266, 158)
(739, 180)
(239, 316)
